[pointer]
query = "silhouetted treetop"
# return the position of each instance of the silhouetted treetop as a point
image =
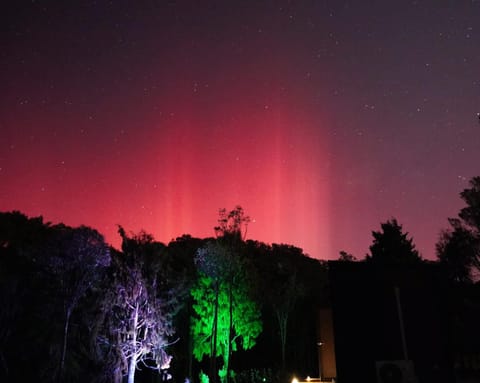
(346, 257)
(392, 246)
(456, 250)
(233, 224)
(471, 213)
(17, 231)
(115, 309)
(459, 247)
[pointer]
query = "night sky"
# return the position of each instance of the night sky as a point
(320, 118)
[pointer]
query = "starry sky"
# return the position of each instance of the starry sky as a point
(320, 118)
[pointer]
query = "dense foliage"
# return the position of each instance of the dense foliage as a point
(459, 246)
(392, 245)
(225, 315)
(75, 309)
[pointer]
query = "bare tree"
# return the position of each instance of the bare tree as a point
(139, 322)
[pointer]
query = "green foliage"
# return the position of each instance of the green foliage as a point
(203, 377)
(225, 318)
(203, 295)
(47, 269)
(264, 375)
(246, 320)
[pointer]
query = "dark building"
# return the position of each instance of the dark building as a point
(391, 323)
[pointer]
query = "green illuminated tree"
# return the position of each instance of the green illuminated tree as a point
(225, 316)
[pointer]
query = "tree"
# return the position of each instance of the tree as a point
(77, 258)
(284, 305)
(346, 257)
(456, 250)
(180, 260)
(233, 224)
(470, 214)
(459, 246)
(140, 317)
(226, 317)
(392, 246)
(19, 236)
(284, 288)
(47, 271)
(291, 286)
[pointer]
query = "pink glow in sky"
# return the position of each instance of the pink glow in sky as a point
(321, 120)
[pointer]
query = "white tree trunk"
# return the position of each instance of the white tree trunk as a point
(133, 359)
(131, 369)
(64, 346)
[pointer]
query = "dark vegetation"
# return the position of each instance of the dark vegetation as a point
(74, 309)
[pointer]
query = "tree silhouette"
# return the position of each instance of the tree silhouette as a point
(232, 224)
(284, 289)
(459, 246)
(456, 250)
(46, 272)
(392, 246)
(346, 257)
(470, 214)
(114, 309)
(20, 237)
(76, 261)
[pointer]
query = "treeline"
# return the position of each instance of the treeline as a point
(458, 247)
(223, 308)
(75, 309)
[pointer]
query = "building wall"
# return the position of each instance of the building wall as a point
(326, 345)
